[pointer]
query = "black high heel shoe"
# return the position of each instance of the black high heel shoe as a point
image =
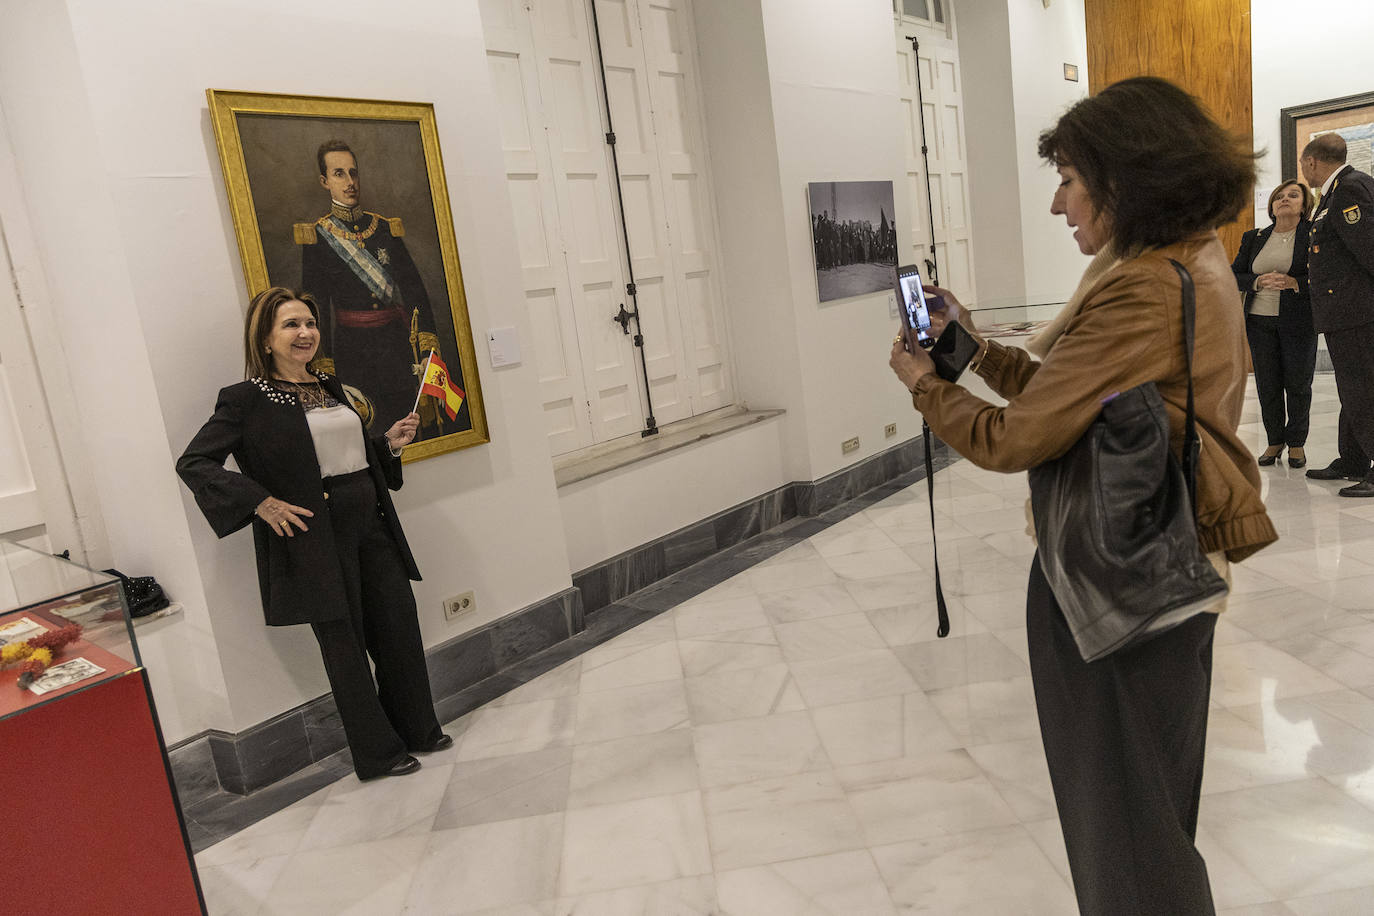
(1299, 460)
(1267, 460)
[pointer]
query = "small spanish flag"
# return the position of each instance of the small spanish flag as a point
(438, 384)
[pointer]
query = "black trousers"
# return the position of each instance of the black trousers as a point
(1283, 370)
(1124, 739)
(386, 717)
(1352, 359)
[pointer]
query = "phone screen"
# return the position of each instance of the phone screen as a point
(915, 313)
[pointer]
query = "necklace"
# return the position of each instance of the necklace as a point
(311, 394)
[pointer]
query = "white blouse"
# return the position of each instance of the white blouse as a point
(1275, 257)
(339, 444)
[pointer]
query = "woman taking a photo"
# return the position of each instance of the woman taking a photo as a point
(1271, 270)
(1145, 176)
(330, 548)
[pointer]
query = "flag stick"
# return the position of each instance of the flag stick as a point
(423, 375)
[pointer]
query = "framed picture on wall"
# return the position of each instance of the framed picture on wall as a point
(1351, 116)
(853, 238)
(346, 199)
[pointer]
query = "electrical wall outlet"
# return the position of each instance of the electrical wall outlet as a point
(459, 605)
(850, 445)
(890, 430)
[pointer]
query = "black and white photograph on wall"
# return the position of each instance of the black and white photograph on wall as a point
(853, 237)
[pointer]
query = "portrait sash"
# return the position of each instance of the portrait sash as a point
(364, 265)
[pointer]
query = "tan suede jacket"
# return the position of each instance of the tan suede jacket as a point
(1128, 331)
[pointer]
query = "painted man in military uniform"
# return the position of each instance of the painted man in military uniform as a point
(375, 320)
(1341, 272)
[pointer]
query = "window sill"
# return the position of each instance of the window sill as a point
(627, 450)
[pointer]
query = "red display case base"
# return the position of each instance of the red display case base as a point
(91, 819)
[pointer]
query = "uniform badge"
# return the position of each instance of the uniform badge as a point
(1351, 214)
(384, 258)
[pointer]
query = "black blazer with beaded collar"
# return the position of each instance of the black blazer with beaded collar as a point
(266, 432)
(1295, 306)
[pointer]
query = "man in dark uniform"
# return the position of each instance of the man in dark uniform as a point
(1341, 272)
(375, 320)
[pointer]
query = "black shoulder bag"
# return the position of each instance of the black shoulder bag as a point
(1115, 519)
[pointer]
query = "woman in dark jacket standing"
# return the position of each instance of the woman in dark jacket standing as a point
(330, 549)
(1271, 270)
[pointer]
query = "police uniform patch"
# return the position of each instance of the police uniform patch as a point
(1351, 214)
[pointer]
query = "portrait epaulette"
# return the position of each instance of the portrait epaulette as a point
(398, 229)
(304, 233)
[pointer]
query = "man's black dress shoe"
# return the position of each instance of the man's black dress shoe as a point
(1363, 488)
(442, 743)
(1333, 471)
(405, 767)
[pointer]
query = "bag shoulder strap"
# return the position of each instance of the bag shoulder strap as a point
(941, 610)
(1192, 443)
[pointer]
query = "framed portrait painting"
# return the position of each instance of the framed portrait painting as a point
(345, 199)
(1351, 116)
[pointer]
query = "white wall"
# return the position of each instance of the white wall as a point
(1284, 42)
(985, 65)
(742, 143)
(106, 103)
(79, 230)
(613, 512)
(1011, 55)
(837, 117)
(1043, 41)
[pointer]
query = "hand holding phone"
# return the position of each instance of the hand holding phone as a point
(913, 308)
(946, 307)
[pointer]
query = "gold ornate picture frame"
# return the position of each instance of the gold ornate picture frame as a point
(383, 262)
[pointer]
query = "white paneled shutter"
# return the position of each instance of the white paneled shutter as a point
(940, 107)
(544, 69)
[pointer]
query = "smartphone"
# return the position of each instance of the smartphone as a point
(913, 307)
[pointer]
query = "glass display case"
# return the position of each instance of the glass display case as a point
(1013, 318)
(42, 594)
(84, 768)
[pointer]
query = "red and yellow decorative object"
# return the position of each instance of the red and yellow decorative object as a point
(35, 654)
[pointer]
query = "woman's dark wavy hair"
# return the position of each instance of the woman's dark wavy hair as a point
(1154, 162)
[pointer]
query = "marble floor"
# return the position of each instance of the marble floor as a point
(797, 741)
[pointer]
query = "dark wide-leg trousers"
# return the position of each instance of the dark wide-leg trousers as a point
(1352, 362)
(1124, 739)
(386, 717)
(1284, 365)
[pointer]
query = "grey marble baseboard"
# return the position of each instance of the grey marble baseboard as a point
(640, 567)
(217, 761)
